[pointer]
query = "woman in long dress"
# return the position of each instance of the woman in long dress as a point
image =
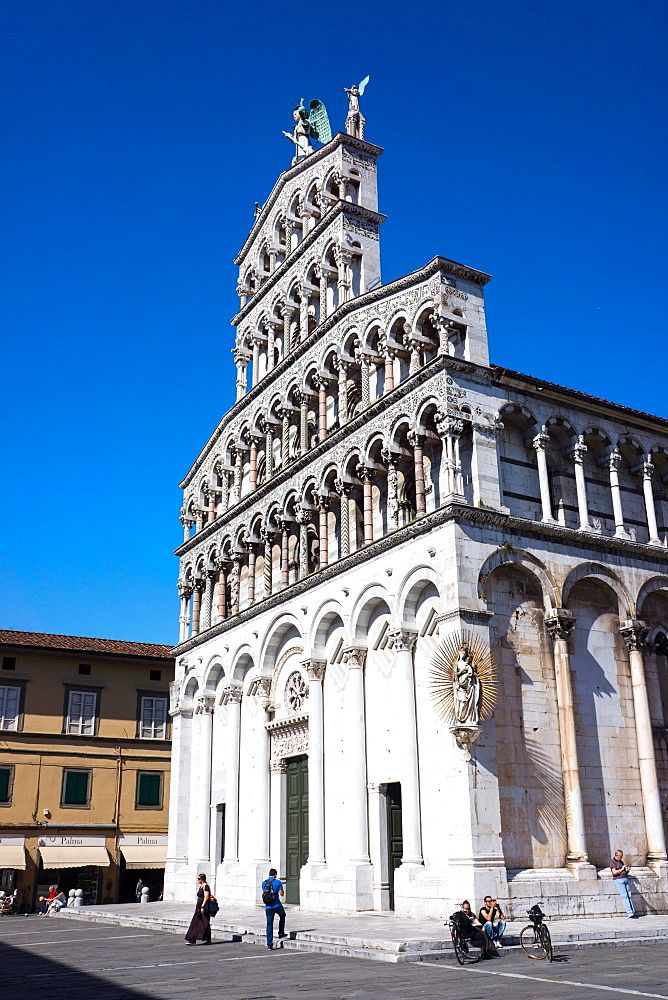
(200, 925)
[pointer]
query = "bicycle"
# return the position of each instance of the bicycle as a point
(468, 950)
(535, 937)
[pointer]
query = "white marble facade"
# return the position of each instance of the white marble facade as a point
(377, 485)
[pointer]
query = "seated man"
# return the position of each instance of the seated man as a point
(492, 919)
(471, 929)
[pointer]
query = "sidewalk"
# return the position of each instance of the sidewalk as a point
(380, 937)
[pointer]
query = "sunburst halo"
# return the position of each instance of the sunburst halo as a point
(442, 667)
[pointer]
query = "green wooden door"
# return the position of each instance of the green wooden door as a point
(395, 837)
(297, 821)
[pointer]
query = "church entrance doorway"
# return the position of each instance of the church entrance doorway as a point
(395, 837)
(297, 824)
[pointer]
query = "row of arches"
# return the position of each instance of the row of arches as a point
(586, 478)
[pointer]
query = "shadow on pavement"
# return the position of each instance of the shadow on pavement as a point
(27, 974)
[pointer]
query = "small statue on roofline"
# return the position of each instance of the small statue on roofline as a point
(355, 118)
(311, 124)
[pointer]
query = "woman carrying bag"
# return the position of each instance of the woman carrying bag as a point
(200, 925)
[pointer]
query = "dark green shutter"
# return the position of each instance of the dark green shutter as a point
(4, 784)
(148, 793)
(76, 788)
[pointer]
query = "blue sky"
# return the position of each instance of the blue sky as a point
(525, 139)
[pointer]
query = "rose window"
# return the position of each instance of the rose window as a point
(296, 692)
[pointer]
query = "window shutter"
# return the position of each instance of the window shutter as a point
(76, 788)
(149, 789)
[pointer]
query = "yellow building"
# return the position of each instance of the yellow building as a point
(84, 765)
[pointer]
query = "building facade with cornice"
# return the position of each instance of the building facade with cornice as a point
(378, 487)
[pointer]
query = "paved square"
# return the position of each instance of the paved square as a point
(83, 961)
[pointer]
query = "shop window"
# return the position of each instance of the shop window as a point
(153, 718)
(9, 663)
(10, 707)
(149, 789)
(81, 709)
(6, 781)
(76, 788)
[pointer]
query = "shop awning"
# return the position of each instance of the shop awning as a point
(71, 856)
(12, 856)
(148, 856)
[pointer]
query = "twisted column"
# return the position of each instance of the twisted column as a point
(267, 537)
(560, 624)
(634, 633)
(252, 556)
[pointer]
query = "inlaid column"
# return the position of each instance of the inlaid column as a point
(284, 413)
(343, 490)
(197, 604)
(342, 368)
(252, 472)
(287, 313)
(579, 452)
(403, 641)
(315, 670)
(415, 362)
(363, 361)
(285, 564)
(322, 503)
(231, 698)
(321, 383)
(560, 624)
(365, 473)
(266, 427)
(252, 556)
(634, 633)
(271, 346)
(303, 422)
(355, 817)
(415, 440)
(185, 594)
(267, 537)
(222, 587)
(303, 313)
(615, 460)
(648, 493)
(211, 578)
(303, 519)
(540, 443)
(200, 788)
(234, 582)
(392, 489)
(238, 473)
(225, 487)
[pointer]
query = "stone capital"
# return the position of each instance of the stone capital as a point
(634, 633)
(343, 489)
(403, 639)
(279, 766)
(354, 657)
(648, 468)
(560, 623)
(415, 439)
(615, 459)
(232, 695)
(364, 473)
(541, 440)
(204, 705)
(315, 669)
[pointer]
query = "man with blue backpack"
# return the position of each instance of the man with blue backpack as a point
(272, 890)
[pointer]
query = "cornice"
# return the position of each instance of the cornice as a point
(436, 365)
(368, 298)
(340, 208)
(452, 512)
(340, 139)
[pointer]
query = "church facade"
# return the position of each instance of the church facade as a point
(377, 488)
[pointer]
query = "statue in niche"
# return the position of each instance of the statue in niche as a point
(355, 119)
(466, 689)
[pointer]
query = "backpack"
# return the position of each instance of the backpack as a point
(212, 906)
(269, 893)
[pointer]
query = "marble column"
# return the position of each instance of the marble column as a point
(303, 423)
(540, 443)
(365, 473)
(240, 361)
(211, 578)
(197, 605)
(232, 699)
(261, 791)
(392, 489)
(211, 510)
(355, 816)
(238, 473)
(634, 633)
(285, 563)
(363, 361)
(201, 787)
(342, 368)
(252, 472)
(648, 493)
(415, 440)
(615, 461)
(284, 413)
(271, 346)
(252, 556)
(222, 587)
(267, 537)
(560, 623)
(322, 503)
(321, 382)
(277, 771)
(579, 452)
(388, 357)
(185, 594)
(303, 519)
(343, 490)
(256, 342)
(403, 641)
(287, 313)
(315, 670)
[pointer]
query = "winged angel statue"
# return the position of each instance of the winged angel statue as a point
(311, 124)
(355, 118)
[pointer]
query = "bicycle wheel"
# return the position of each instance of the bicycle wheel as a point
(467, 952)
(532, 943)
(547, 942)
